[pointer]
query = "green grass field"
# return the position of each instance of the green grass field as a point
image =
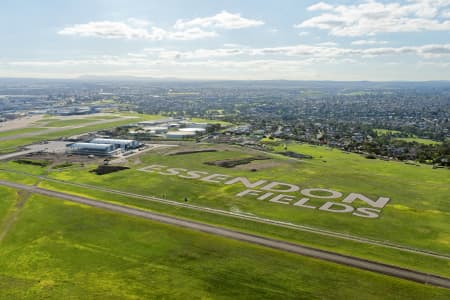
(8, 196)
(60, 250)
(419, 140)
(386, 131)
(376, 253)
(418, 196)
(8, 133)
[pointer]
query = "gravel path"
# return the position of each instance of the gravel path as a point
(236, 235)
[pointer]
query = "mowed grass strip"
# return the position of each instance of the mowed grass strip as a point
(61, 250)
(7, 198)
(18, 131)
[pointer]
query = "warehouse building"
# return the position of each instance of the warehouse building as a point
(93, 149)
(180, 135)
(124, 145)
(193, 129)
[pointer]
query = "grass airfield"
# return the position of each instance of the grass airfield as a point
(419, 195)
(122, 257)
(60, 250)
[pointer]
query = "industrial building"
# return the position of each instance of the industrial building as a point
(124, 145)
(103, 147)
(193, 129)
(93, 149)
(180, 135)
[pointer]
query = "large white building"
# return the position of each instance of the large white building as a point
(117, 143)
(93, 149)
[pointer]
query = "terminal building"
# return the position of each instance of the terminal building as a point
(103, 147)
(124, 145)
(180, 135)
(93, 149)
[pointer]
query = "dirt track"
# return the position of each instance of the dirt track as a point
(236, 235)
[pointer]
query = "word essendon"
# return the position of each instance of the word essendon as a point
(277, 192)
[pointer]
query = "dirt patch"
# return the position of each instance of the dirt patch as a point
(295, 155)
(231, 163)
(19, 123)
(261, 165)
(102, 170)
(192, 152)
(40, 163)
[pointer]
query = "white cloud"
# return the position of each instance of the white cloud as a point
(323, 52)
(368, 42)
(134, 29)
(240, 62)
(327, 44)
(372, 17)
(223, 20)
(303, 33)
(320, 6)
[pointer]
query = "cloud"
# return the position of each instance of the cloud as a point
(322, 51)
(327, 44)
(133, 29)
(368, 42)
(372, 17)
(224, 20)
(303, 33)
(320, 6)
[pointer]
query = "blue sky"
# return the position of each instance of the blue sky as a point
(198, 39)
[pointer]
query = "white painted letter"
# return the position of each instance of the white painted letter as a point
(248, 192)
(327, 207)
(302, 203)
(218, 178)
(366, 212)
(271, 187)
(194, 174)
(245, 182)
(380, 203)
(333, 194)
(279, 199)
(265, 196)
(153, 168)
(173, 171)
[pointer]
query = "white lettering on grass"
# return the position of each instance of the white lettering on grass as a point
(344, 208)
(215, 178)
(173, 171)
(310, 193)
(249, 192)
(193, 174)
(275, 187)
(366, 212)
(245, 182)
(302, 203)
(282, 199)
(380, 203)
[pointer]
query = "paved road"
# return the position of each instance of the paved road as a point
(254, 239)
(249, 217)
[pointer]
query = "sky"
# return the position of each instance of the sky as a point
(373, 40)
